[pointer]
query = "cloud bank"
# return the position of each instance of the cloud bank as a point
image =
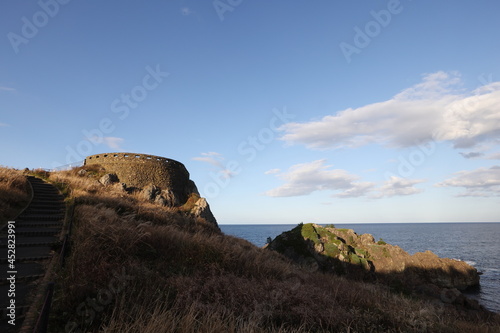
(397, 186)
(435, 109)
(306, 178)
(482, 182)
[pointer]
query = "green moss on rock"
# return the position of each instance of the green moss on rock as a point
(354, 259)
(361, 252)
(331, 250)
(308, 231)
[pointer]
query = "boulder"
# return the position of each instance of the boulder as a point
(108, 179)
(444, 272)
(451, 296)
(171, 200)
(150, 192)
(202, 209)
(122, 187)
(160, 200)
(367, 239)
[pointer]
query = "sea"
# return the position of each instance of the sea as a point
(478, 244)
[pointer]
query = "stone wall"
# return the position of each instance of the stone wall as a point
(140, 170)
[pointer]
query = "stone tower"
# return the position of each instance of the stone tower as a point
(140, 170)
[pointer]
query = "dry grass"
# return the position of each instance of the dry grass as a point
(14, 193)
(137, 267)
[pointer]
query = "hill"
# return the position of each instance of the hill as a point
(137, 266)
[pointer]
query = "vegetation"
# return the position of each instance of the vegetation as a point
(139, 267)
(14, 193)
(381, 242)
(190, 203)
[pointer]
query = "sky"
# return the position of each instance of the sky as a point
(282, 111)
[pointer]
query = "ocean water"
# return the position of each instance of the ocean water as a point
(475, 243)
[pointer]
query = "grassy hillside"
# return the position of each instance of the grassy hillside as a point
(138, 267)
(14, 193)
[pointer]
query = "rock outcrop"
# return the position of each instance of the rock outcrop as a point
(202, 209)
(342, 251)
(107, 179)
(150, 192)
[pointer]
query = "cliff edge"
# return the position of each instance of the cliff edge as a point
(344, 252)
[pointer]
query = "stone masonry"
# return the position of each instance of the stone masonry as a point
(140, 170)
(165, 181)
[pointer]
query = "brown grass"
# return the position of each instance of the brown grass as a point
(14, 193)
(162, 271)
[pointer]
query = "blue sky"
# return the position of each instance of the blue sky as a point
(326, 112)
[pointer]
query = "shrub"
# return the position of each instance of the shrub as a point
(381, 242)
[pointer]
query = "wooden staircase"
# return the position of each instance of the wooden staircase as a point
(37, 232)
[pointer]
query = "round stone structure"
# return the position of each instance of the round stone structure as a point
(140, 170)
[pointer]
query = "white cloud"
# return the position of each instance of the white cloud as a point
(397, 186)
(186, 11)
(110, 141)
(435, 109)
(482, 182)
(306, 178)
(272, 171)
(357, 190)
(494, 156)
(9, 89)
(211, 158)
(113, 142)
(216, 160)
(472, 154)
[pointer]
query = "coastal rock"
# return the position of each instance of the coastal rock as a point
(343, 252)
(202, 209)
(366, 239)
(444, 272)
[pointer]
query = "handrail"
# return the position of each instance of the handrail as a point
(43, 318)
(66, 240)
